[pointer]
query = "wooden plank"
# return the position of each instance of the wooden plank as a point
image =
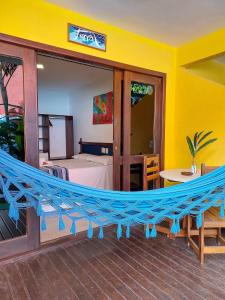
(141, 273)
(70, 276)
(170, 262)
(4, 287)
(96, 275)
(177, 252)
(5, 233)
(69, 137)
(111, 276)
(18, 289)
(133, 268)
(57, 283)
(126, 129)
(28, 280)
(117, 102)
(214, 249)
(41, 279)
(15, 232)
(90, 285)
(194, 246)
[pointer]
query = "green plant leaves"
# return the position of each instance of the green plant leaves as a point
(204, 136)
(195, 139)
(205, 144)
(191, 146)
(194, 145)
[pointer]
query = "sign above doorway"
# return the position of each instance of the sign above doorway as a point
(86, 37)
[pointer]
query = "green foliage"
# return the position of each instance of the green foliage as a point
(12, 137)
(199, 142)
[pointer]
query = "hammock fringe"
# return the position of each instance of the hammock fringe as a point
(23, 186)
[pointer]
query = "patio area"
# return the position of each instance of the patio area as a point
(133, 268)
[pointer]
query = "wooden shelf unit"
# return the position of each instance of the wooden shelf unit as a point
(44, 134)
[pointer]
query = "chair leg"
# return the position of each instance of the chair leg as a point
(201, 242)
(157, 183)
(218, 238)
(189, 222)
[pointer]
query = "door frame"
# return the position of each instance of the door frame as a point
(158, 125)
(31, 240)
(118, 69)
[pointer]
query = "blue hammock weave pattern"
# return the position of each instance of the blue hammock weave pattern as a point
(24, 186)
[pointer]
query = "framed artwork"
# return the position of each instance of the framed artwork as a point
(102, 109)
(86, 37)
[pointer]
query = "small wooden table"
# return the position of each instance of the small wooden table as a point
(176, 176)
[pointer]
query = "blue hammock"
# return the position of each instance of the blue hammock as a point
(24, 186)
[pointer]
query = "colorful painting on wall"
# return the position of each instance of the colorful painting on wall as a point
(102, 109)
(87, 37)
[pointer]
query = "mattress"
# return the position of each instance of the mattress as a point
(83, 172)
(88, 173)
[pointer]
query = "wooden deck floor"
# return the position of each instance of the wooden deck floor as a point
(8, 228)
(110, 269)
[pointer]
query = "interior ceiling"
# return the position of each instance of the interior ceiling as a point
(62, 74)
(174, 22)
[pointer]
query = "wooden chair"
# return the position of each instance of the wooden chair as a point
(151, 171)
(211, 227)
(151, 168)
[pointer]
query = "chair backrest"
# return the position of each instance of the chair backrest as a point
(207, 169)
(151, 171)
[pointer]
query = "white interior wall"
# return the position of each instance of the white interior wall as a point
(81, 84)
(68, 88)
(82, 111)
(54, 101)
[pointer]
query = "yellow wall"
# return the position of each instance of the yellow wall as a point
(209, 69)
(192, 103)
(200, 98)
(43, 22)
(204, 47)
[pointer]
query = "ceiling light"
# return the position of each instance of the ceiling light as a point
(40, 66)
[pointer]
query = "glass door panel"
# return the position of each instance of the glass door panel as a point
(11, 133)
(142, 129)
(18, 137)
(142, 118)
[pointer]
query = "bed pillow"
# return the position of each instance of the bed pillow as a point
(82, 156)
(105, 160)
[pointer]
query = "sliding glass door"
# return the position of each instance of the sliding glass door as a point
(138, 123)
(18, 136)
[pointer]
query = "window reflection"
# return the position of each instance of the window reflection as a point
(11, 106)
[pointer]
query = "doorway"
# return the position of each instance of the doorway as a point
(123, 155)
(142, 121)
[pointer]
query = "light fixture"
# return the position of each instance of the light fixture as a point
(40, 66)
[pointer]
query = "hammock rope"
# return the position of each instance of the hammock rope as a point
(24, 186)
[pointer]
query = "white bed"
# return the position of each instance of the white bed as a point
(85, 169)
(86, 172)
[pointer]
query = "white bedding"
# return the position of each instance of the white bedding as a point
(88, 173)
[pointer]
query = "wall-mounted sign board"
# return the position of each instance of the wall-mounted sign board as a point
(86, 37)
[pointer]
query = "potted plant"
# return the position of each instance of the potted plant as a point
(196, 144)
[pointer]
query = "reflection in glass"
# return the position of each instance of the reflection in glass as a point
(142, 118)
(11, 132)
(142, 121)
